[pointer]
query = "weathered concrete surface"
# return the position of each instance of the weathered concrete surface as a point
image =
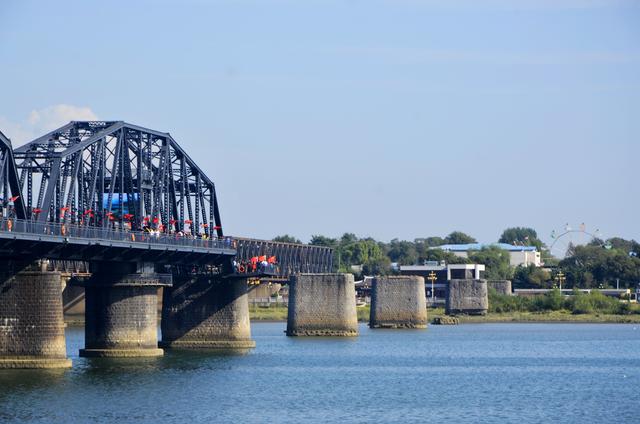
(206, 313)
(31, 322)
(74, 306)
(500, 286)
(398, 302)
(122, 315)
(446, 320)
(467, 297)
(322, 305)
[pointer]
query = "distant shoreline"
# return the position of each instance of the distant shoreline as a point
(279, 314)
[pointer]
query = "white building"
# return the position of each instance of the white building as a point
(438, 276)
(518, 255)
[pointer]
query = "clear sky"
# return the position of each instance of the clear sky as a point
(397, 118)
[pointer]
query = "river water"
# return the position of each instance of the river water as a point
(476, 373)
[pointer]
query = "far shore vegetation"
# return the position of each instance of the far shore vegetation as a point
(599, 264)
(551, 307)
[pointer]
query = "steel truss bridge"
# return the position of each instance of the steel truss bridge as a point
(109, 190)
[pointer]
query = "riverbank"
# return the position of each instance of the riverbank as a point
(280, 314)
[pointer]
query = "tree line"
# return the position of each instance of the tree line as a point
(599, 264)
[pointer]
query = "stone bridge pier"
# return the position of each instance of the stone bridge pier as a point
(322, 305)
(31, 322)
(398, 302)
(121, 315)
(206, 312)
(466, 296)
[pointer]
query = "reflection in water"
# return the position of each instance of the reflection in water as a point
(521, 373)
(13, 381)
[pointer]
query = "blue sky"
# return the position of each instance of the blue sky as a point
(400, 118)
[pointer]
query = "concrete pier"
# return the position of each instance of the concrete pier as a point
(500, 286)
(31, 323)
(322, 305)
(204, 312)
(467, 297)
(121, 311)
(398, 302)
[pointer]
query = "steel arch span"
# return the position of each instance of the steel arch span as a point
(9, 185)
(97, 172)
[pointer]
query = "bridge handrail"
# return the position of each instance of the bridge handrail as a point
(67, 230)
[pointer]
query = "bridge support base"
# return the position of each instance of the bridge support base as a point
(398, 302)
(322, 305)
(503, 287)
(203, 312)
(467, 297)
(31, 322)
(121, 313)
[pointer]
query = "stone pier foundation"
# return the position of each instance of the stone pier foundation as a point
(203, 312)
(322, 305)
(31, 323)
(500, 286)
(467, 297)
(398, 302)
(121, 315)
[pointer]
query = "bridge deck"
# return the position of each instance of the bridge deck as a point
(24, 238)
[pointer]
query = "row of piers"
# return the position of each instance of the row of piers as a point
(199, 311)
(121, 315)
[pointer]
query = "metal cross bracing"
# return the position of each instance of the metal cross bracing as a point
(111, 173)
(86, 190)
(291, 258)
(9, 184)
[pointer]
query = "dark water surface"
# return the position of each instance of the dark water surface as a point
(480, 373)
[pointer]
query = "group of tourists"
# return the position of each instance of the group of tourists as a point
(255, 264)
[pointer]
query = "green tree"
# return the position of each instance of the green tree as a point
(430, 241)
(377, 266)
(458, 237)
(348, 238)
(318, 240)
(531, 276)
(594, 266)
(353, 251)
(521, 236)
(287, 239)
(403, 252)
(627, 246)
(495, 260)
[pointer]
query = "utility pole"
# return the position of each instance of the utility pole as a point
(432, 277)
(560, 278)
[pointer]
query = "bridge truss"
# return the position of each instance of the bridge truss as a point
(9, 184)
(99, 173)
(84, 192)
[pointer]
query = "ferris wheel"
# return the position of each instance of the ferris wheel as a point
(569, 236)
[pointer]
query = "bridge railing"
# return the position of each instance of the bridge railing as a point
(65, 230)
(292, 258)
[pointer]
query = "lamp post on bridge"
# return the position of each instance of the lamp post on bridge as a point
(432, 277)
(560, 278)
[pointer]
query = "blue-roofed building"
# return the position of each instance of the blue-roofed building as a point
(518, 255)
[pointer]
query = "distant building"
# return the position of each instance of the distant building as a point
(518, 255)
(443, 274)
